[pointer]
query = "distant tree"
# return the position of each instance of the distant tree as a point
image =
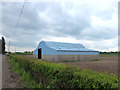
(6, 52)
(3, 45)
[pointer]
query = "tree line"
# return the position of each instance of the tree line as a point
(111, 52)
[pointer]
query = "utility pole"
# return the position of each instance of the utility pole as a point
(107, 49)
(8, 47)
(15, 49)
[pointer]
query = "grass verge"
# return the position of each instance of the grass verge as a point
(25, 76)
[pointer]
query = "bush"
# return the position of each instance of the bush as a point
(52, 75)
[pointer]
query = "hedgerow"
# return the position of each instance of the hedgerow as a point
(54, 75)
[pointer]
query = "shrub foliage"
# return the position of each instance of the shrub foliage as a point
(52, 75)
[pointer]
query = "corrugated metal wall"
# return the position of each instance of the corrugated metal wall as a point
(46, 50)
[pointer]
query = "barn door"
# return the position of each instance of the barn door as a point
(39, 54)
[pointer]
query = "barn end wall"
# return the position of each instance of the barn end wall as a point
(77, 57)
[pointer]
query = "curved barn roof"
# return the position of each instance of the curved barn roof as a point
(60, 46)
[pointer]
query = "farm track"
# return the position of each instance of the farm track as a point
(0, 71)
(9, 79)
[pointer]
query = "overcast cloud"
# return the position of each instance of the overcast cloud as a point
(93, 23)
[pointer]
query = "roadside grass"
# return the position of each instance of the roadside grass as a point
(26, 77)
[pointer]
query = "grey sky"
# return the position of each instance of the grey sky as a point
(93, 24)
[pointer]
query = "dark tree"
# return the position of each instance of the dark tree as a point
(3, 45)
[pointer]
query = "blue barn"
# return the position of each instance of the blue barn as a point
(58, 51)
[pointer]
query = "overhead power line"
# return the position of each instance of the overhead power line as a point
(20, 15)
(17, 23)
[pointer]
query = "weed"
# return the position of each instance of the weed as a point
(94, 60)
(69, 61)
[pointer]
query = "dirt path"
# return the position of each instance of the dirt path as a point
(9, 79)
(0, 71)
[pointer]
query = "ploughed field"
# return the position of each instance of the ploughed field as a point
(107, 64)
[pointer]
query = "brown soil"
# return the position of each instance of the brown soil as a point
(9, 79)
(106, 64)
